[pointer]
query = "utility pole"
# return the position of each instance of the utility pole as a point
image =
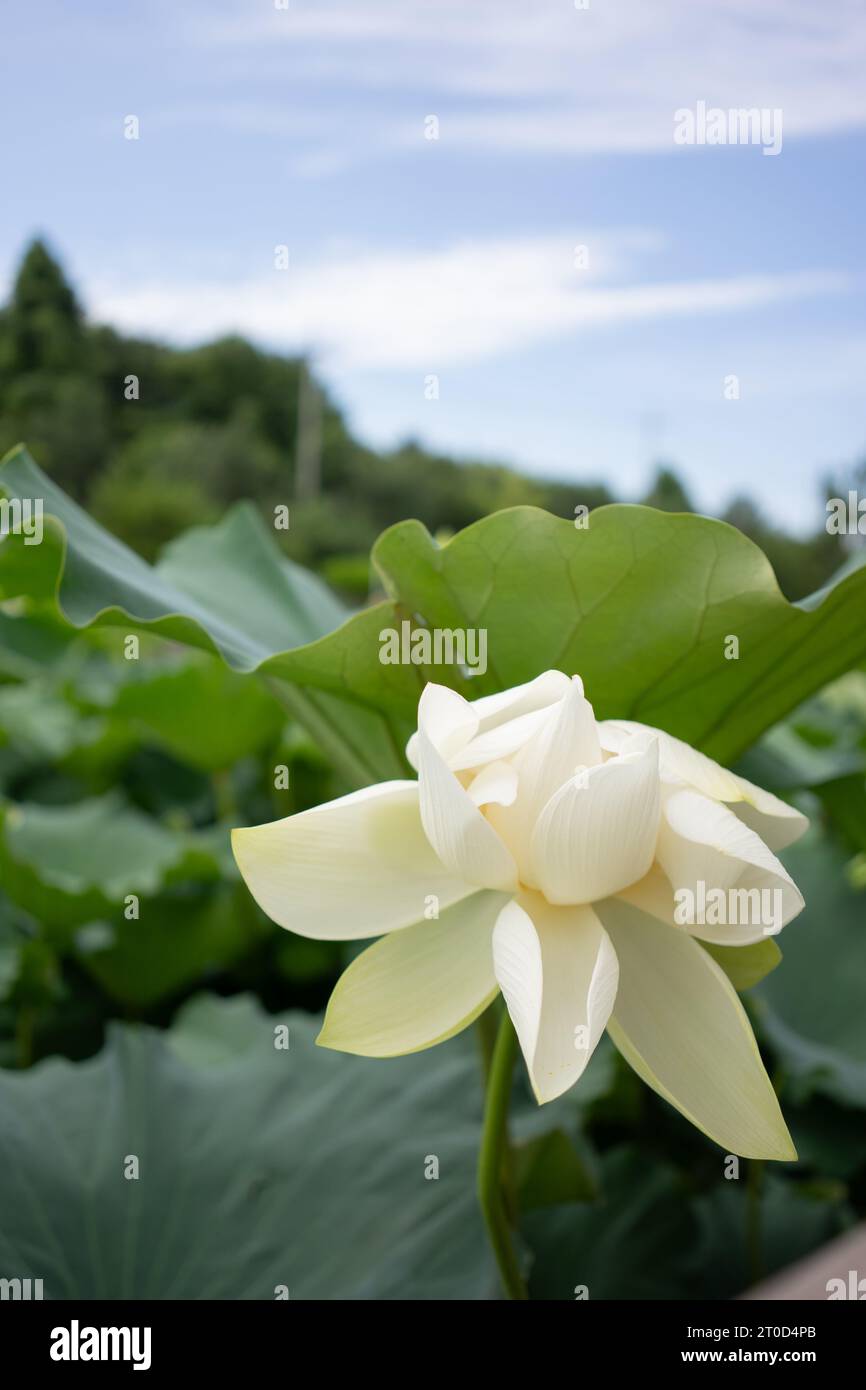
(308, 437)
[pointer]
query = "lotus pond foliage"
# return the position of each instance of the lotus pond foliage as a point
(143, 986)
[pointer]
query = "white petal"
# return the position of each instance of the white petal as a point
(446, 718)
(495, 783)
(677, 1020)
(523, 706)
(598, 833)
(653, 894)
(777, 823)
(502, 740)
(703, 848)
(543, 691)
(416, 987)
(567, 742)
(356, 867)
(465, 842)
(558, 973)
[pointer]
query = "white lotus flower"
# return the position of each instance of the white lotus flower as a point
(550, 846)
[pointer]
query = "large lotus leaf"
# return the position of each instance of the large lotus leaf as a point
(549, 1171)
(29, 976)
(102, 748)
(795, 1219)
(178, 939)
(40, 725)
(823, 741)
(30, 643)
(783, 761)
(202, 712)
(258, 1167)
(830, 1139)
(37, 722)
(642, 603)
(648, 1239)
(224, 588)
(189, 703)
(812, 1010)
(69, 865)
(844, 800)
(632, 1244)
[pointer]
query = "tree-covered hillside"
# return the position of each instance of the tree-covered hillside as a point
(154, 439)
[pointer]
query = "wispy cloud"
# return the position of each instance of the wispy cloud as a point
(472, 301)
(507, 75)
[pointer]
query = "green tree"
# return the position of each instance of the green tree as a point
(43, 325)
(155, 439)
(667, 492)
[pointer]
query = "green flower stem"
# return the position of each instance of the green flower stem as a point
(485, 1030)
(493, 1160)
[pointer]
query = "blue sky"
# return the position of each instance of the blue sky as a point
(304, 126)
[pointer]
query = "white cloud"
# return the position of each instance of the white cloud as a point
(505, 75)
(471, 301)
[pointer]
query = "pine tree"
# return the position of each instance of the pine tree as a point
(43, 324)
(667, 492)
